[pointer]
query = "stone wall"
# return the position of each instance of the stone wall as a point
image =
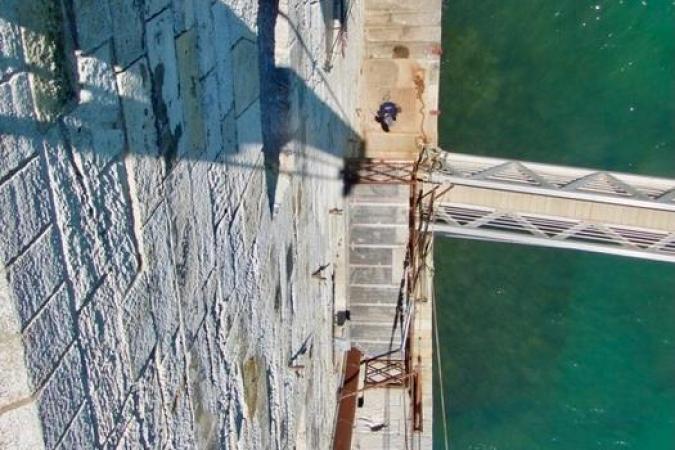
(160, 221)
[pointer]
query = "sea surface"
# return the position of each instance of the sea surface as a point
(544, 348)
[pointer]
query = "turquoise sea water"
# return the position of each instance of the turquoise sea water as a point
(543, 348)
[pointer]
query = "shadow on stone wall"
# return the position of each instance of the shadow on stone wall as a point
(169, 103)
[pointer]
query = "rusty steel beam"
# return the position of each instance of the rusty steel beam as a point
(342, 439)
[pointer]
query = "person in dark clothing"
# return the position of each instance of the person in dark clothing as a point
(386, 115)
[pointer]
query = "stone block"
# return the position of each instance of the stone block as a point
(15, 150)
(230, 145)
(246, 82)
(225, 258)
(15, 385)
(61, 397)
(139, 327)
(380, 214)
(403, 33)
(24, 419)
(204, 393)
(11, 53)
(149, 408)
(223, 54)
(374, 332)
(388, 193)
(80, 434)
(109, 197)
(190, 88)
(84, 253)
(213, 122)
(93, 22)
(166, 102)
(219, 188)
(93, 126)
(374, 313)
(145, 168)
(203, 217)
(387, 295)
(205, 36)
(249, 138)
(35, 275)
(106, 363)
(183, 231)
(26, 209)
(16, 107)
(370, 256)
(370, 275)
(378, 236)
(184, 15)
(140, 423)
(127, 24)
(48, 336)
(47, 46)
(242, 18)
(161, 275)
(172, 371)
(152, 7)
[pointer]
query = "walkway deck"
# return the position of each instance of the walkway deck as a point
(402, 61)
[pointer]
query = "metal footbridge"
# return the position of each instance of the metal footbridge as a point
(503, 200)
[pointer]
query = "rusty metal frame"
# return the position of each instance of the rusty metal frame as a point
(386, 372)
(379, 171)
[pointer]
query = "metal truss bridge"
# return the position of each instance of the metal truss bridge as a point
(501, 200)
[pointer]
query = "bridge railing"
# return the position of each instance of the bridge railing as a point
(560, 181)
(469, 221)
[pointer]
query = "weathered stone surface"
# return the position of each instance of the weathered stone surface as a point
(61, 397)
(223, 55)
(144, 262)
(188, 70)
(184, 15)
(49, 335)
(246, 76)
(14, 380)
(11, 53)
(139, 327)
(16, 106)
(371, 275)
(15, 151)
(83, 249)
(93, 22)
(24, 418)
(164, 77)
(213, 122)
(80, 434)
(104, 357)
(26, 209)
(205, 41)
(372, 256)
(47, 49)
(35, 275)
(388, 215)
(373, 295)
(127, 25)
(161, 276)
(94, 125)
